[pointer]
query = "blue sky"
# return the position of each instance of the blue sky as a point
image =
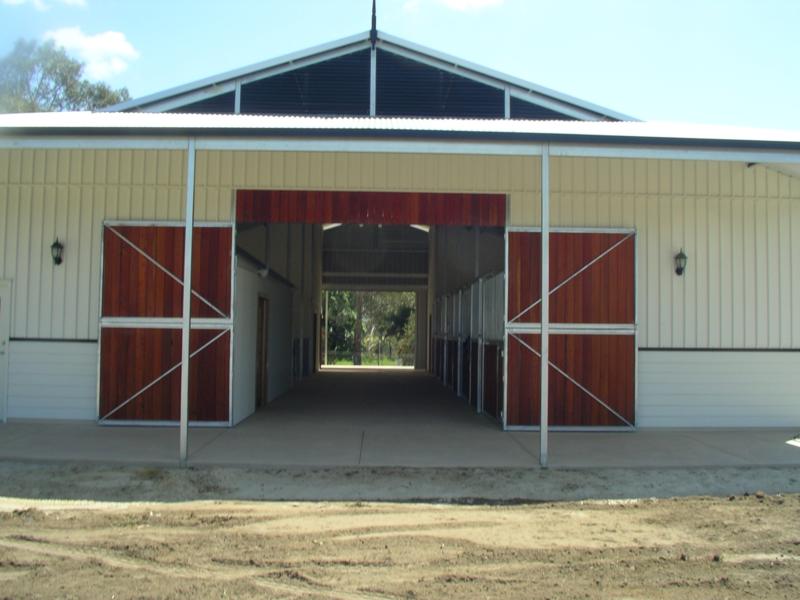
(734, 62)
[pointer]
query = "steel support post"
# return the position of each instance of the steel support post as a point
(545, 307)
(186, 325)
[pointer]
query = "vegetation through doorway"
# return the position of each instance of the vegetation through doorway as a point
(369, 328)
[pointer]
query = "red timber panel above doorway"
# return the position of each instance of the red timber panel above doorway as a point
(142, 306)
(592, 329)
(377, 208)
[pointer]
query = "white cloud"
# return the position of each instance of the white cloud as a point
(105, 54)
(414, 6)
(465, 5)
(41, 5)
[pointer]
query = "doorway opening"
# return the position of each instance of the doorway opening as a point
(370, 329)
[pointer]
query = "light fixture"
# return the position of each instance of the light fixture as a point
(680, 262)
(57, 252)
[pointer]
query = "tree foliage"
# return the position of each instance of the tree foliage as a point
(388, 324)
(43, 78)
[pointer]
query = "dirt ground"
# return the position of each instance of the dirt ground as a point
(743, 546)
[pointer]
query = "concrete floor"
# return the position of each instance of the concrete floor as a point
(389, 418)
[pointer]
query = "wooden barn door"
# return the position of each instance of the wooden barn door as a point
(592, 329)
(140, 327)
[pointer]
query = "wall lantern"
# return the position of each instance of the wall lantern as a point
(680, 262)
(57, 252)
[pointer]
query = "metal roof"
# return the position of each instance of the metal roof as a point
(223, 82)
(164, 124)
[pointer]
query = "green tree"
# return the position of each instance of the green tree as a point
(43, 78)
(387, 325)
(390, 323)
(341, 321)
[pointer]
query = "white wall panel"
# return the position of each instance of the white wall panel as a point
(52, 380)
(249, 286)
(719, 389)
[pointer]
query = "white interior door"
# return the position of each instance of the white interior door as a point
(5, 332)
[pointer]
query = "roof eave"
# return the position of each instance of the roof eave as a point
(411, 135)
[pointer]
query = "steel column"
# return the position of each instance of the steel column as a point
(545, 295)
(373, 86)
(186, 327)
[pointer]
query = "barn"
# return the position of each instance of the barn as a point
(635, 275)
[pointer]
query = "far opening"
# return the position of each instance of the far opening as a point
(369, 329)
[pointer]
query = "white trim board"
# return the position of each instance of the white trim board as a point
(417, 146)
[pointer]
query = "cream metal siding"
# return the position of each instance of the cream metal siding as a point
(739, 226)
(718, 389)
(46, 193)
(52, 380)
(68, 193)
(220, 172)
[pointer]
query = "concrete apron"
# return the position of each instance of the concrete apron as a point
(390, 419)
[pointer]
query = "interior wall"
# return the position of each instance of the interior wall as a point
(249, 287)
(461, 256)
(294, 252)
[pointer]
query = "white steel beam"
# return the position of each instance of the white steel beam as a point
(198, 96)
(187, 302)
(237, 98)
(373, 82)
(545, 296)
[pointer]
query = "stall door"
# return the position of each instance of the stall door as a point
(592, 329)
(140, 328)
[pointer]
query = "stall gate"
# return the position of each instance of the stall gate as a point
(140, 326)
(492, 351)
(592, 328)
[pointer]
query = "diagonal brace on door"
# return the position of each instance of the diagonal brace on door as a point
(161, 377)
(574, 382)
(164, 269)
(574, 275)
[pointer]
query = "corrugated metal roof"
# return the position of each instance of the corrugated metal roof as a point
(375, 127)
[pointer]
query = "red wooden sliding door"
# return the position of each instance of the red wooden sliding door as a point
(140, 328)
(592, 329)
